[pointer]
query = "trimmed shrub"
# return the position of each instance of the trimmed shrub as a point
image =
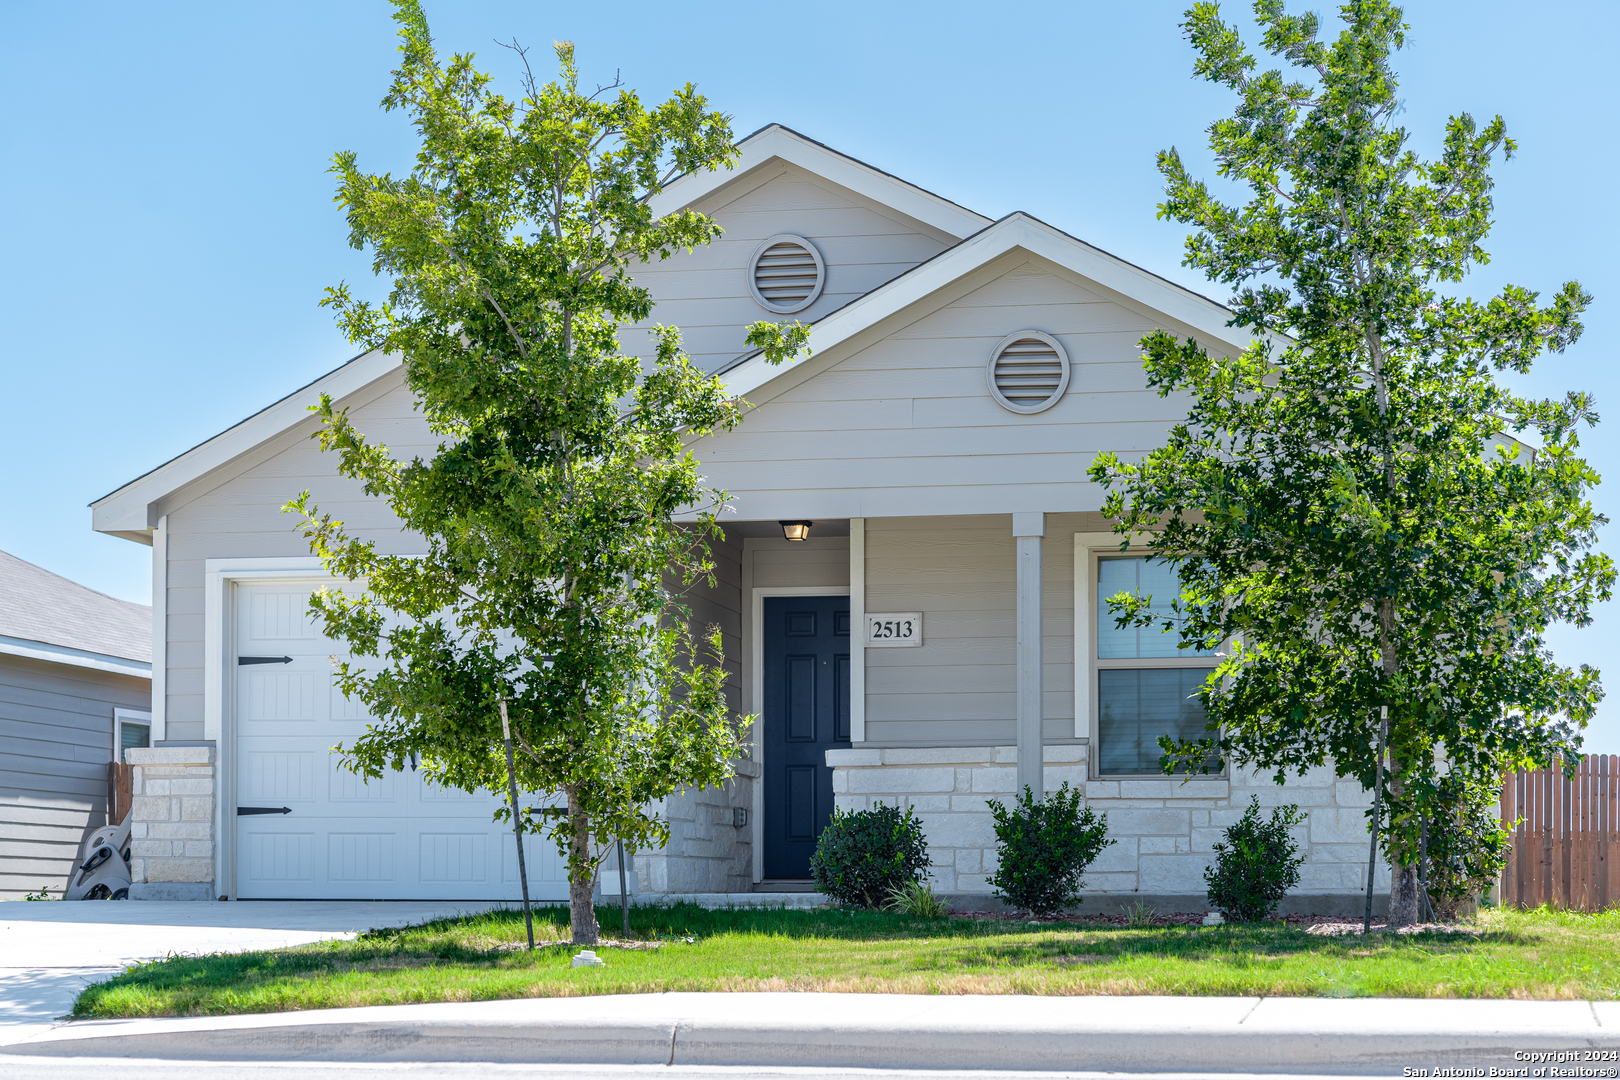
(1043, 849)
(1256, 864)
(863, 856)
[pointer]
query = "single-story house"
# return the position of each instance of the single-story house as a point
(909, 588)
(75, 694)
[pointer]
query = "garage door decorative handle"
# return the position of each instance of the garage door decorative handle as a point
(245, 660)
(249, 811)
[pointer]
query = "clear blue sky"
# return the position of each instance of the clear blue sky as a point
(168, 223)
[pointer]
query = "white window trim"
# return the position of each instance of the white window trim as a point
(1088, 547)
(756, 671)
(130, 716)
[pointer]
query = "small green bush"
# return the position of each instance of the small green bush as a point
(1139, 915)
(1256, 864)
(917, 899)
(863, 856)
(1043, 849)
(1467, 846)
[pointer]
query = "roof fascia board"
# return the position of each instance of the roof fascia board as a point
(61, 654)
(778, 142)
(134, 507)
(1203, 316)
(295, 433)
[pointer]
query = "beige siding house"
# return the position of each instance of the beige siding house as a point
(75, 693)
(935, 641)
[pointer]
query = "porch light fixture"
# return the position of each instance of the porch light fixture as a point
(795, 530)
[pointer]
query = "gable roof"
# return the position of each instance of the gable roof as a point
(131, 511)
(775, 142)
(1017, 230)
(47, 617)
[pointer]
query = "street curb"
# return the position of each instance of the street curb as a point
(890, 1031)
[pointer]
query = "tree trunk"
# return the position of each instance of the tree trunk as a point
(581, 875)
(1403, 896)
(1403, 890)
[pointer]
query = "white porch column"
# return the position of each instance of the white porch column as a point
(1029, 530)
(857, 630)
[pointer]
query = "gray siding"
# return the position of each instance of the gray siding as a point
(241, 517)
(960, 687)
(705, 291)
(903, 423)
(56, 730)
(721, 605)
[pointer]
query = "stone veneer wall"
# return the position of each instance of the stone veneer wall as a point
(1165, 829)
(706, 853)
(171, 843)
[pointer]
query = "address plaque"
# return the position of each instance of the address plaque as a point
(894, 630)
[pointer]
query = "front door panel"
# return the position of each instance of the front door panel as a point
(806, 683)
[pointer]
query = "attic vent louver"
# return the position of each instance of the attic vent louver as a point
(786, 274)
(1028, 372)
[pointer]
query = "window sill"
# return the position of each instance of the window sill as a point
(1142, 787)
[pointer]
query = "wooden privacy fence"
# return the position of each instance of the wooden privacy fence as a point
(120, 781)
(1566, 832)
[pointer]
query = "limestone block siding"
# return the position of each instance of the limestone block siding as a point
(1165, 829)
(172, 823)
(707, 852)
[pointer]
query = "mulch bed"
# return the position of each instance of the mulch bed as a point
(1324, 925)
(605, 943)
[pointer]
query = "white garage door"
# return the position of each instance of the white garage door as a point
(396, 837)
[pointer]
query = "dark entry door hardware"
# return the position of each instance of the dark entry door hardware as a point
(250, 811)
(243, 661)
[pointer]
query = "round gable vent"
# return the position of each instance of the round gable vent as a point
(1028, 371)
(786, 274)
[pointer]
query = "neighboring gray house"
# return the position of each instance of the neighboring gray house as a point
(937, 640)
(75, 689)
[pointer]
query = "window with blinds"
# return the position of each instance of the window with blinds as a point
(1146, 683)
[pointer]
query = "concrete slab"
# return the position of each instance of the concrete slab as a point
(106, 933)
(1198, 1036)
(49, 952)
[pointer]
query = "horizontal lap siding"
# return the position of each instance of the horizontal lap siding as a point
(959, 688)
(819, 561)
(242, 518)
(907, 426)
(705, 292)
(720, 605)
(55, 742)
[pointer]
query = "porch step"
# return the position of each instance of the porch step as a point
(781, 885)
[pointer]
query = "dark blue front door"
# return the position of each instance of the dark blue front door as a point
(806, 714)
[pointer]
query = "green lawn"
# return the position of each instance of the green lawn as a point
(1517, 955)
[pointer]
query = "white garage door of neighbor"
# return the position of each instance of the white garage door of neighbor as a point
(398, 837)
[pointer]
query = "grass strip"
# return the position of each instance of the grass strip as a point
(1529, 955)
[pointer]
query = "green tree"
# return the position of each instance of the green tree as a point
(554, 561)
(1347, 522)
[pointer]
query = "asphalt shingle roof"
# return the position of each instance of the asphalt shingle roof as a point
(37, 605)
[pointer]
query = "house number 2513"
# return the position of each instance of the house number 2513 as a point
(894, 629)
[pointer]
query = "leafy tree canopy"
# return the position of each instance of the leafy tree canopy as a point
(554, 561)
(1350, 523)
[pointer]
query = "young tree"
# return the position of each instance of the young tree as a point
(1338, 499)
(551, 579)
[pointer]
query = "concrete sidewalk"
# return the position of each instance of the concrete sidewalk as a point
(891, 1031)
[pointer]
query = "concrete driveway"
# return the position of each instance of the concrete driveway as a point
(50, 950)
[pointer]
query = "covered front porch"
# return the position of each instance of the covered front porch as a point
(1010, 673)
